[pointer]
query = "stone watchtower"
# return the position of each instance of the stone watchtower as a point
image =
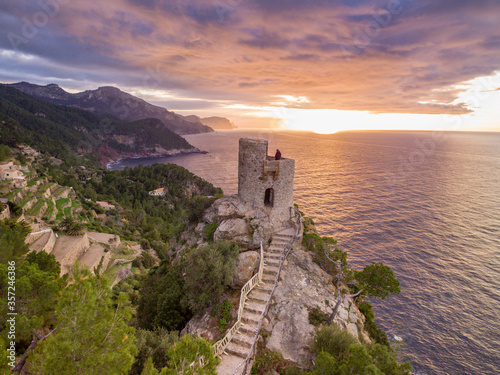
(264, 183)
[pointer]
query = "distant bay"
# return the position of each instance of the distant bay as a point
(425, 203)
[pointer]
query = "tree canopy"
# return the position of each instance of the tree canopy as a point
(92, 335)
(377, 281)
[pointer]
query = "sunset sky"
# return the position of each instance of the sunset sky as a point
(303, 64)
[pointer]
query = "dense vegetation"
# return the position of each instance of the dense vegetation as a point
(67, 133)
(47, 302)
(339, 353)
(155, 221)
(4, 152)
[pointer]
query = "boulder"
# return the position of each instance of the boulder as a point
(262, 232)
(246, 265)
(230, 206)
(236, 230)
(199, 228)
(203, 325)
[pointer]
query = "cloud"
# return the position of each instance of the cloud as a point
(374, 55)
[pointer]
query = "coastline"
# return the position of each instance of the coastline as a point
(167, 153)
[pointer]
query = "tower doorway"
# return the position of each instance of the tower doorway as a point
(269, 197)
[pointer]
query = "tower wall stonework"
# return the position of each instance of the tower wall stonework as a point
(252, 181)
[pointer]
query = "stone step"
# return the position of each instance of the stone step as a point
(271, 270)
(243, 339)
(237, 350)
(265, 287)
(268, 278)
(275, 250)
(248, 328)
(272, 262)
(258, 296)
(278, 241)
(276, 256)
(279, 238)
(228, 365)
(251, 316)
(255, 308)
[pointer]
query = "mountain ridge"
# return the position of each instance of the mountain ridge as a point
(67, 132)
(111, 101)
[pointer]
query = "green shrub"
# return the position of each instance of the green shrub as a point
(161, 296)
(209, 230)
(267, 360)
(147, 260)
(197, 205)
(376, 334)
(185, 357)
(136, 262)
(325, 365)
(318, 246)
(155, 345)
(223, 310)
(339, 353)
(377, 281)
(317, 317)
(334, 341)
(46, 262)
(209, 272)
(5, 153)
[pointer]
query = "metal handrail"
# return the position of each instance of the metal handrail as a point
(284, 254)
(220, 346)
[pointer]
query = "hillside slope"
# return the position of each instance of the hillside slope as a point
(67, 132)
(112, 102)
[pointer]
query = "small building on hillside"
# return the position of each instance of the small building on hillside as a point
(105, 205)
(10, 171)
(20, 182)
(157, 192)
(28, 151)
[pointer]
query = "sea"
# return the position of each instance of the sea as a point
(425, 203)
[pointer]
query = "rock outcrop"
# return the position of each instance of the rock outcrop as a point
(237, 230)
(238, 222)
(305, 286)
(247, 264)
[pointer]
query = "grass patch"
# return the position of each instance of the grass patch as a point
(33, 211)
(33, 182)
(25, 200)
(60, 203)
(50, 209)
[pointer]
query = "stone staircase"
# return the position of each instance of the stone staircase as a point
(238, 349)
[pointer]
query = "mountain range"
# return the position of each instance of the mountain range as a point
(67, 132)
(112, 102)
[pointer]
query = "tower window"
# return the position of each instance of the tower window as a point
(269, 197)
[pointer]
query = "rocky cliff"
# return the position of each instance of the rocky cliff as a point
(303, 285)
(215, 122)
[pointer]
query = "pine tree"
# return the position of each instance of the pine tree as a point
(92, 335)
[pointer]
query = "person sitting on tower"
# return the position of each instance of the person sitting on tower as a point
(278, 155)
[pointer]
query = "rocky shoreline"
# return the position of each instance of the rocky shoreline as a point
(175, 152)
